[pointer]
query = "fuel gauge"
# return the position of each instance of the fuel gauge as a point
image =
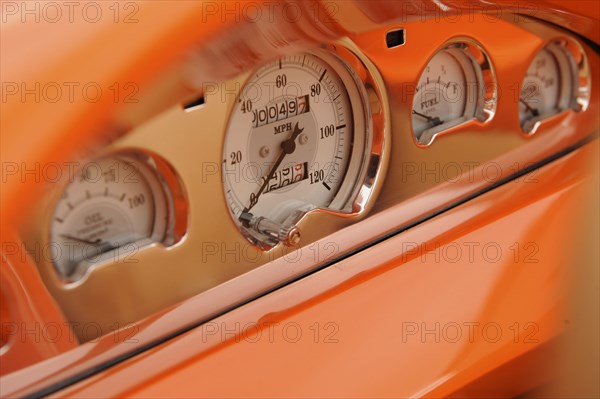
(455, 87)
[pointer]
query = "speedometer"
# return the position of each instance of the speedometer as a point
(298, 139)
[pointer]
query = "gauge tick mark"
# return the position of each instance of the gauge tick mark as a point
(322, 75)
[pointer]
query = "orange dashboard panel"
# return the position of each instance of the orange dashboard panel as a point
(300, 199)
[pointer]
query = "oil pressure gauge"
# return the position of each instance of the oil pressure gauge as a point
(111, 208)
(300, 138)
(554, 82)
(456, 86)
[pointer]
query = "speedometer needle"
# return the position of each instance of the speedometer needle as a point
(436, 121)
(287, 147)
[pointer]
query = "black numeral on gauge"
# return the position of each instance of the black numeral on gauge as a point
(281, 80)
(327, 131)
(136, 200)
(317, 176)
(236, 157)
(315, 90)
(246, 106)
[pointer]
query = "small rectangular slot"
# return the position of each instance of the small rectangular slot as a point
(193, 105)
(395, 38)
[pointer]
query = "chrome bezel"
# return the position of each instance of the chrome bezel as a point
(572, 60)
(370, 140)
(480, 105)
(168, 193)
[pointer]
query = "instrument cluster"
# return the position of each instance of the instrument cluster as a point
(305, 146)
(301, 139)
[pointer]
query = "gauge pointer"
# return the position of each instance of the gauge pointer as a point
(102, 246)
(529, 108)
(287, 147)
(80, 240)
(435, 121)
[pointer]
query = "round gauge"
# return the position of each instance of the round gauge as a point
(548, 87)
(111, 207)
(449, 92)
(296, 141)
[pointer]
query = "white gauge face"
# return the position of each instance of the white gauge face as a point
(547, 87)
(540, 91)
(289, 141)
(446, 94)
(110, 204)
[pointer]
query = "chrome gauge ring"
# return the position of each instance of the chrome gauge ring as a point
(556, 80)
(456, 87)
(110, 208)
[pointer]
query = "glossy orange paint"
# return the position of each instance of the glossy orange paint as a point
(366, 327)
(33, 327)
(367, 344)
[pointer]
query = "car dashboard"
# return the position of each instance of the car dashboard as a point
(304, 162)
